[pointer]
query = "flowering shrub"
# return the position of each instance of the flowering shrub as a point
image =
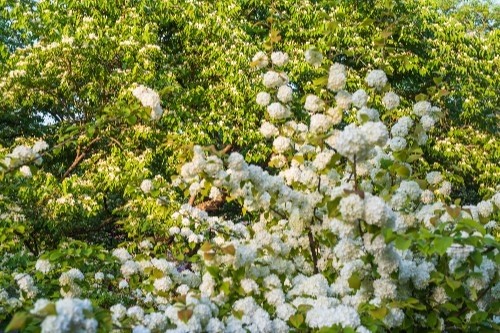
(337, 234)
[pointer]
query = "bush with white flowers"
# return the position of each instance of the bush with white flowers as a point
(339, 233)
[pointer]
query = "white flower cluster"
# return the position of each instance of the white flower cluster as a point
(337, 77)
(67, 281)
(150, 99)
(71, 315)
(23, 154)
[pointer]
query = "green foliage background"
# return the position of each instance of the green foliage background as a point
(67, 68)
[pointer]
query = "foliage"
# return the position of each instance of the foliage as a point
(293, 179)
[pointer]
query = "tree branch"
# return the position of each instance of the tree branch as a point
(79, 157)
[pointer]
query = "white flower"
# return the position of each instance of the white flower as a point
(39, 146)
(123, 284)
(146, 244)
(427, 197)
(384, 289)
(376, 79)
(397, 143)
(314, 57)
(402, 127)
(274, 79)
(359, 98)
(343, 99)
(43, 265)
(376, 211)
(320, 123)
(422, 108)
(279, 58)
(427, 122)
(282, 144)
(99, 276)
(390, 100)
(163, 284)
(367, 114)
(342, 315)
(122, 254)
(314, 104)
(337, 77)
(445, 188)
(268, 130)
(485, 208)
(25, 171)
(335, 115)
(149, 98)
(394, 318)
(352, 208)
(146, 186)
(277, 111)
(285, 94)
(260, 60)
(263, 98)
(351, 142)
(375, 133)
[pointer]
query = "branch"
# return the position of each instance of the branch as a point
(79, 157)
(312, 245)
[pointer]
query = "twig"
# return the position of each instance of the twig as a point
(79, 157)
(312, 245)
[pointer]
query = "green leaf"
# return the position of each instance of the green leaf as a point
(17, 322)
(477, 257)
(403, 171)
(402, 244)
(379, 313)
(354, 281)
(471, 225)
(440, 245)
(296, 320)
(454, 285)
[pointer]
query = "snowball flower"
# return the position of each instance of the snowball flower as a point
(39, 146)
(273, 79)
(282, 144)
(359, 98)
(485, 208)
(43, 265)
(260, 60)
(397, 143)
(25, 171)
(421, 108)
(375, 133)
(390, 100)
(263, 98)
(122, 254)
(146, 186)
(351, 142)
(352, 208)
(367, 114)
(434, 177)
(335, 115)
(427, 122)
(313, 57)
(402, 127)
(314, 104)
(279, 58)
(268, 130)
(278, 111)
(336, 77)
(320, 123)
(149, 98)
(376, 79)
(343, 99)
(285, 94)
